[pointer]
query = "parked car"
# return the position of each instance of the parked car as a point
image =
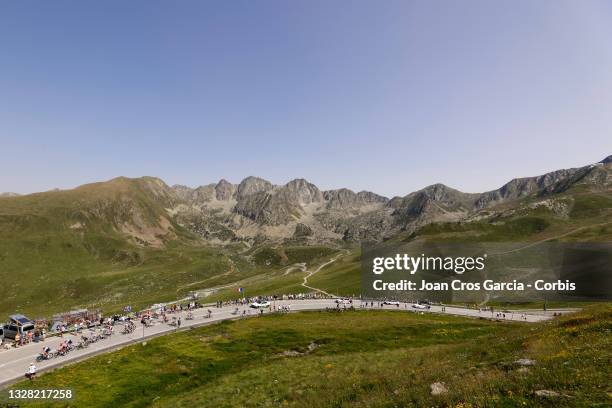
(391, 302)
(17, 324)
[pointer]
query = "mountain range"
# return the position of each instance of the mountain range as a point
(150, 213)
(257, 208)
(138, 240)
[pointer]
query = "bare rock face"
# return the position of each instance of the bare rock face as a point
(252, 185)
(199, 195)
(203, 194)
(340, 199)
(182, 192)
(224, 190)
(344, 198)
(259, 201)
(596, 175)
(368, 197)
(301, 191)
(435, 203)
(256, 204)
(599, 176)
(302, 230)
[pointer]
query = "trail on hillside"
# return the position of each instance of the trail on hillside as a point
(565, 234)
(310, 273)
(530, 245)
(301, 266)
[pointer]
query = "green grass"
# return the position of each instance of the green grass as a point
(590, 205)
(341, 277)
(66, 276)
(487, 231)
(48, 266)
(362, 359)
(281, 256)
(279, 280)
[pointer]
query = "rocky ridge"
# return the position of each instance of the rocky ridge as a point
(257, 208)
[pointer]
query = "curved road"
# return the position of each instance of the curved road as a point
(14, 362)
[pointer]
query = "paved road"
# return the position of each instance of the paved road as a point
(14, 362)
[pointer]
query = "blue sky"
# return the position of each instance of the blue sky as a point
(388, 96)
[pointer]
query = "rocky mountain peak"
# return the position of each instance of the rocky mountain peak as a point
(370, 197)
(298, 209)
(224, 190)
(438, 192)
(441, 193)
(304, 192)
(183, 192)
(252, 185)
(344, 198)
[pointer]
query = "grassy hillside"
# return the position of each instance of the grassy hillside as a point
(65, 248)
(341, 277)
(588, 219)
(576, 215)
(355, 359)
(102, 245)
(280, 255)
(282, 277)
(114, 243)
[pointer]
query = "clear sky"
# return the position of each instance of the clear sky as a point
(388, 96)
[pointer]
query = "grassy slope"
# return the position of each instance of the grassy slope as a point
(367, 359)
(47, 267)
(341, 277)
(279, 274)
(590, 219)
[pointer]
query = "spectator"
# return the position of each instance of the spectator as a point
(31, 372)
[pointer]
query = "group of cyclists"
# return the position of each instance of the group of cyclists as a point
(105, 326)
(62, 349)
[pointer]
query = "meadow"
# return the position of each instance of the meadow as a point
(354, 359)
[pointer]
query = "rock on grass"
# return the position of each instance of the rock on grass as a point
(547, 393)
(438, 388)
(525, 362)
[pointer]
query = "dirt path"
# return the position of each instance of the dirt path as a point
(310, 273)
(551, 238)
(301, 266)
